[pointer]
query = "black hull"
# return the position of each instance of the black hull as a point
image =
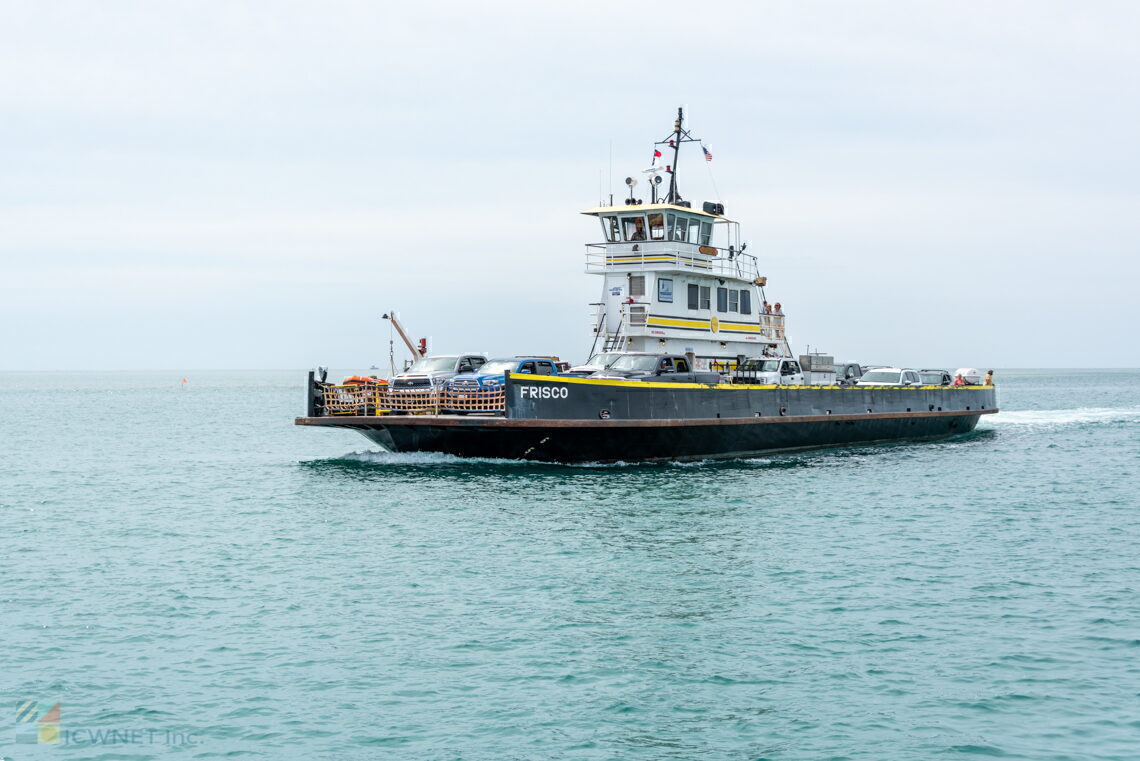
(679, 442)
(585, 420)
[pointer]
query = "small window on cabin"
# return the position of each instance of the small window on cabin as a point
(545, 368)
(746, 302)
(706, 233)
(681, 232)
(722, 299)
(706, 293)
(610, 228)
(670, 225)
(633, 228)
(527, 367)
(694, 231)
(682, 366)
(734, 300)
(665, 290)
(637, 285)
(694, 296)
(657, 226)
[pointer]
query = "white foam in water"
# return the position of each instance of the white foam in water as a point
(382, 457)
(1054, 418)
(423, 458)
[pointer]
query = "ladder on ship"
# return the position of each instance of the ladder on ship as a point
(610, 341)
(615, 340)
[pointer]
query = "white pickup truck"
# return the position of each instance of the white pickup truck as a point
(778, 371)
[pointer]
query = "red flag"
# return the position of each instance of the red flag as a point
(656, 153)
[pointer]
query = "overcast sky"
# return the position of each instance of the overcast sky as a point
(252, 184)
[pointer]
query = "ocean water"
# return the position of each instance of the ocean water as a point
(191, 576)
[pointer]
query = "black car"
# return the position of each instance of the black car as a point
(669, 368)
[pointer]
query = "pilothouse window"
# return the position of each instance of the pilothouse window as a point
(633, 228)
(657, 226)
(610, 228)
(694, 231)
(706, 233)
(681, 232)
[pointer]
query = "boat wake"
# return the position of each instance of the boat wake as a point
(438, 459)
(1060, 418)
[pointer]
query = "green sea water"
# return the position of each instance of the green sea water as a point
(191, 576)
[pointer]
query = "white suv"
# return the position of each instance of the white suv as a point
(890, 376)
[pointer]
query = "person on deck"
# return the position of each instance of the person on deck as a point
(779, 309)
(989, 381)
(959, 380)
(767, 308)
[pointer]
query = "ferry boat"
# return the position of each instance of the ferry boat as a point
(683, 297)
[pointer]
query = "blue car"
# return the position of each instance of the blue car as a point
(469, 392)
(494, 373)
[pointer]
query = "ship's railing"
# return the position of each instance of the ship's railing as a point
(772, 325)
(481, 400)
(670, 255)
(423, 401)
(354, 399)
(381, 400)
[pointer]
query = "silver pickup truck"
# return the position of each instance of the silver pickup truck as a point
(429, 372)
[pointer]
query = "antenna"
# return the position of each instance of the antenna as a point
(676, 137)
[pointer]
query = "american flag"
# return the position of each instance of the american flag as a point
(708, 155)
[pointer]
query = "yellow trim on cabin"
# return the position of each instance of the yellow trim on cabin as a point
(680, 322)
(677, 322)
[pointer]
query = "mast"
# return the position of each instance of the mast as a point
(674, 196)
(678, 136)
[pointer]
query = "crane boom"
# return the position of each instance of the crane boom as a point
(415, 350)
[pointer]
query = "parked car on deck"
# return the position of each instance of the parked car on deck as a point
(671, 368)
(777, 371)
(594, 364)
(481, 392)
(935, 377)
(848, 373)
(432, 372)
(493, 374)
(890, 376)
